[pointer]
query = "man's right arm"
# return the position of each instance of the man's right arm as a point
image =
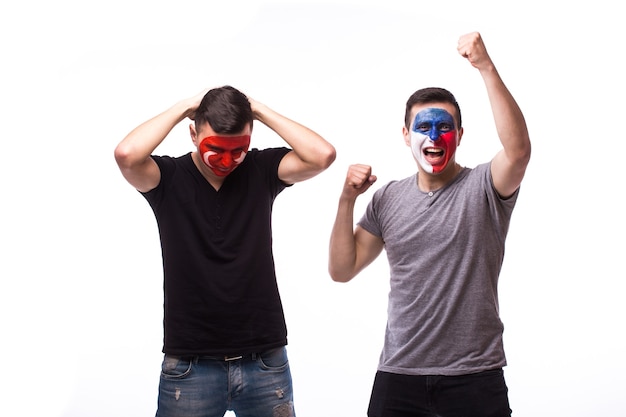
(351, 250)
(133, 153)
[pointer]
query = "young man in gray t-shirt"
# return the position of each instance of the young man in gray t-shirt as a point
(444, 231)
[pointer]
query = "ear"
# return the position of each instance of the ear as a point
(193, 134)
(407, 136)
(458, 140)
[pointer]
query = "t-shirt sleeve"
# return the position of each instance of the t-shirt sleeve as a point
(269, 160)
(500, 208)
(507, 203)
(167, 167)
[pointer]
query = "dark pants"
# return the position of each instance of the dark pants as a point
(476, 395)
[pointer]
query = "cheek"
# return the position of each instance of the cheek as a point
(209, 158)
(213, 157)
(417, 141)
(450, 139)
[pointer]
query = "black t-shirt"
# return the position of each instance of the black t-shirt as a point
(220, 290)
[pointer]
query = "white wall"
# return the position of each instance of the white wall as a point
(80, 296)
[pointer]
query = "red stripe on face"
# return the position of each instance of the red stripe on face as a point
(447, 141)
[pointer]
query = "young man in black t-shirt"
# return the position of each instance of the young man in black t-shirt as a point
(224, 328)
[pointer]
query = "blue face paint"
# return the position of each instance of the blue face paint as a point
(433, 123)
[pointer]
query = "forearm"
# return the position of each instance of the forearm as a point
(342, 250)
(141, 142)
(509, 120)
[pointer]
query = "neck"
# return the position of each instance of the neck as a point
(431, 182)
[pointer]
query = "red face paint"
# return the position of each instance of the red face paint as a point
(223, 153)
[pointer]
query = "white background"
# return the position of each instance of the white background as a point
(80, 296)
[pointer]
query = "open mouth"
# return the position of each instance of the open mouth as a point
(433, 152)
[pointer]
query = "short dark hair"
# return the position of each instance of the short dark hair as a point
(225, 109)
(431, 95)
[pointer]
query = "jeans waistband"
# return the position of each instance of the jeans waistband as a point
(228, 358)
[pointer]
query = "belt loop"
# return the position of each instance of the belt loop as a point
(254, 356)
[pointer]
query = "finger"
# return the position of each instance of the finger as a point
(361, 169)
(356, 181)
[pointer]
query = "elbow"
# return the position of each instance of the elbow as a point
(522, 157)
(519, 155)
(528, 152)
(328, 156)
(339, 276)
(125, 156)
(122, 155)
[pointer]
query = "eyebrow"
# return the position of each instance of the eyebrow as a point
(219, 148)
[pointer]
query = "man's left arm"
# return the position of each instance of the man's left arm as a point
(310, 155)
(509, 165)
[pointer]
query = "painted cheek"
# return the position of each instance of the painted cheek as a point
(417, 142)
(449, 139)
(214, 159)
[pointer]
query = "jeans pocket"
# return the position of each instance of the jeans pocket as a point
(274, 359)
(175, 367)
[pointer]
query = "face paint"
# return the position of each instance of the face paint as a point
(433, 139)
(224, 153)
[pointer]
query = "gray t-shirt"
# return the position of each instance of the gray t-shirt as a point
(445, 252)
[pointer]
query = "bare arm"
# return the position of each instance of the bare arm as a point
(351, 250)
(311, 153)
(509, 165)
(132, 154)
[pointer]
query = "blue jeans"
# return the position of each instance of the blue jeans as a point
(483, 394)
(256, 385)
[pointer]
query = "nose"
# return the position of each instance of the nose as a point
(227, 159)
(434, 134)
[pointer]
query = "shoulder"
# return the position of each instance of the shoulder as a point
(480, 179)
(260, 166)
(480, 174)
(172, 168)
(266, 156)
(397, 187)
(394, 192)
(166, 161)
